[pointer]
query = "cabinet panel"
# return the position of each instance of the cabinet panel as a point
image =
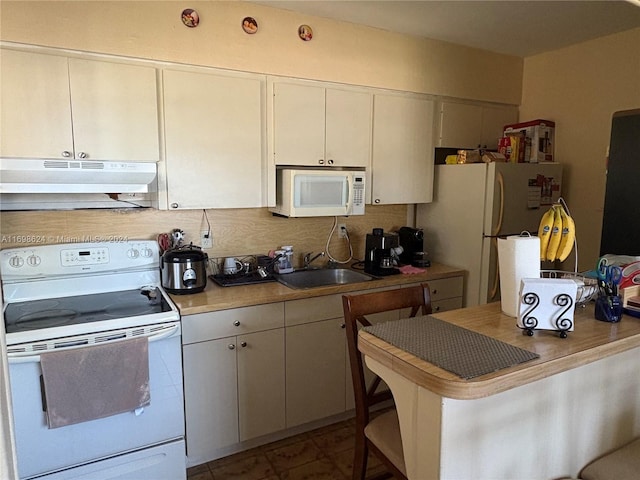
(237, 321)
(210, 395)
(261, 383)
(348, 128)
(318, 126)
(115, 113)
(214, 140)
(315, 371)
(402, 157)
(59, 107)
(308, 310)
(446, 304)
(36, 106)
(460, 125)
(443, 288)
(493, 121)
(299, 121)
(467, 125)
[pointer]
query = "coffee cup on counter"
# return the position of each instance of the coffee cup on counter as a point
(232, 266)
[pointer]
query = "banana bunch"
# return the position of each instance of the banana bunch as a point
(557, 232)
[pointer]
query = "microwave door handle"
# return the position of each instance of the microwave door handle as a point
(349, 194)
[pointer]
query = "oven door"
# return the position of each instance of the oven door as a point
(41, 450)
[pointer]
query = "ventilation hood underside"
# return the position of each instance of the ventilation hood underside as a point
(75, 176)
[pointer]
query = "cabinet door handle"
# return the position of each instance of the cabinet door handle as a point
(377, 200)
(321, 161)
(236, 323)
(436, 309)
(174, 205)
(330, 162)
(66, 154)
(343, 325)
(243, 344)
(231, 346)
(83, 155)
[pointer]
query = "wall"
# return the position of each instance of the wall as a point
(339, 52)
(580, 87)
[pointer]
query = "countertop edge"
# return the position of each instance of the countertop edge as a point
(448, 385)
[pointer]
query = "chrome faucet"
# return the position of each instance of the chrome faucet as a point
(308, 258)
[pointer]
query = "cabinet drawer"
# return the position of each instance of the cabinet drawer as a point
(237, 321)
(297, 312)
(443, 288)
(446, 304)
(308, 310)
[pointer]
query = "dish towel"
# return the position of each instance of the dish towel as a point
(93, 382)
(409, 269)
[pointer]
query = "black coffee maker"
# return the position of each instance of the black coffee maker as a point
(412, 243)
(378, 258)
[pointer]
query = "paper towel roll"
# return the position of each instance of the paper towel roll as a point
(518, 258)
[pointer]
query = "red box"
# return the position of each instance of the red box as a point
(539, 139)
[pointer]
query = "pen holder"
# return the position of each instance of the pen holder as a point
(608, 308)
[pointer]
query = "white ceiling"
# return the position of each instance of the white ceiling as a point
(521, 28)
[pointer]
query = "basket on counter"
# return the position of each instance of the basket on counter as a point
(587, 287)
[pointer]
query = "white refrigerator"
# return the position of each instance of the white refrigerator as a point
(474, 204)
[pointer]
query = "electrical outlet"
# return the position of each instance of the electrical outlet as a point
(206, 239)
(342, 230)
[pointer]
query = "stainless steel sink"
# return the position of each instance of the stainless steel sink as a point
(304, 279)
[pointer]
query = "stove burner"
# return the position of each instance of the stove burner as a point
(45, 318)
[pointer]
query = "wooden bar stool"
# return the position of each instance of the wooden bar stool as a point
(379, 434)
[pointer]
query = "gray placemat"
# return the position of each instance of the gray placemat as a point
(460, 351)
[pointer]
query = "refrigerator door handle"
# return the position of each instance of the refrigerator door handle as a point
(498, 225)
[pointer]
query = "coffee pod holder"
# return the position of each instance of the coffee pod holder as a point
(547, 304)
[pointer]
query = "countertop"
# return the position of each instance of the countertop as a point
(215, 297)
(590, 341)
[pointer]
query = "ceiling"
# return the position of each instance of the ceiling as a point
(521, 28)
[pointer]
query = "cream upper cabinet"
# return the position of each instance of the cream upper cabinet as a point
(56, 107)
(36, 106)
(214, 139)
(403, 149)
(465, 125)
(318, 126)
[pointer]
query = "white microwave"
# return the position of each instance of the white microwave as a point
(319, 192)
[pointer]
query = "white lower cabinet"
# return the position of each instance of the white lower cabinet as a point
(234, 384)
(315, 371)
(315, 359)
(254, 371)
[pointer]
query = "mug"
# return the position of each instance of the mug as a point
(232, 266)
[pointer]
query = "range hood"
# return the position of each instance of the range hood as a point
(19, 175)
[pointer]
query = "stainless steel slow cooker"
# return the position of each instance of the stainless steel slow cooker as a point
(184, 270)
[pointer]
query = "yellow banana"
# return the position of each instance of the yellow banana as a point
(544, 231)
(568, 236)
(556, 236)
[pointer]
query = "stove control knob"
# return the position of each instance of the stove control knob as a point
(133, 253)
(33, 260)
(146, 252)
(16, 261)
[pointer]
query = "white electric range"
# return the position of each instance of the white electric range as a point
(80, 296)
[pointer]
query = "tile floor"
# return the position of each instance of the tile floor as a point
(322, 454)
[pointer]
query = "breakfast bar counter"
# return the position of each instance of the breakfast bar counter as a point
(543, 418)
